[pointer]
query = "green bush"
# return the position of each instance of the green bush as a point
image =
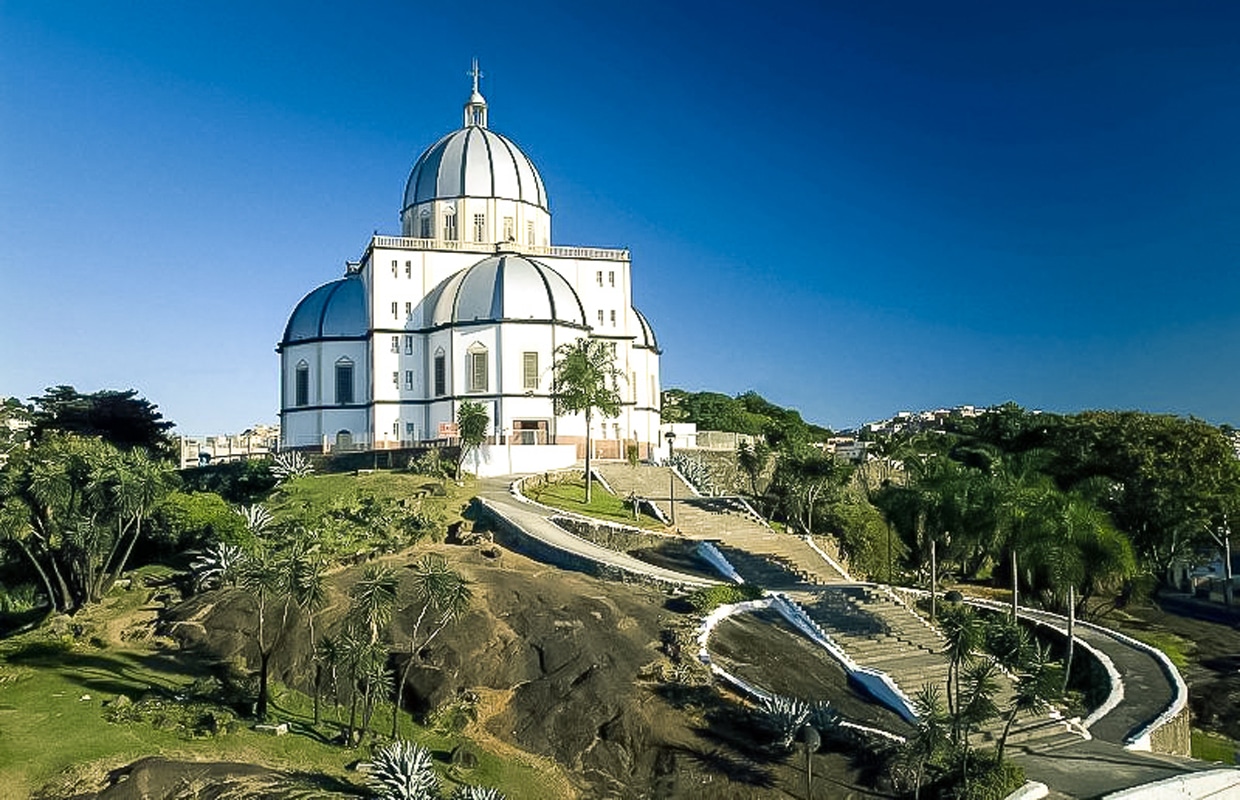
(708, 599)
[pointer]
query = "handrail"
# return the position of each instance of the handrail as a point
(557, 251)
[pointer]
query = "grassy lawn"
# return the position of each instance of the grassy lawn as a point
(571, 496)
(1174, 647)
(1214, 747)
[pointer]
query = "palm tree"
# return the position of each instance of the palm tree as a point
(1037, 687)
(586, 380)
(444, 595)
(140, 483)
(373, 600)
(932, 730)
(963, 634)
(471, 423)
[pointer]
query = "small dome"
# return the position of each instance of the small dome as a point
(647, 338)
(505, 287)
(335, 310)
(474, 162)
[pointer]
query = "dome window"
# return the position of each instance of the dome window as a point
(301, 384)
(426, 226)
(344, 381)
(476, 368)
(441, 373)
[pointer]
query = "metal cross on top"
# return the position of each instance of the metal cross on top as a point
(476, 73)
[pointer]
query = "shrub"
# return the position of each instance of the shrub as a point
(708, 599)
(477, 793)
(402, 771)
(783, 717)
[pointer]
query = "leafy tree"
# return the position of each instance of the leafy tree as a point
(586, 380)
(444, 595)
(805, 481)
(1038, 683)
(373, 599)
(75, 507)
(753, 459)
(471, 422)
(120, 417)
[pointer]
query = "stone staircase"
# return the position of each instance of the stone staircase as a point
(871, 626)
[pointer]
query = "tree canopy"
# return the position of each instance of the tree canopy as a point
(119, 417)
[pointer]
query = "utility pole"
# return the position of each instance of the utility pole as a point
(671, 474)
(1015, 585)
(1067, 670)
(1223, 539)
(934, 578)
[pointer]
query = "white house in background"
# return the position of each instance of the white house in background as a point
(470, 302)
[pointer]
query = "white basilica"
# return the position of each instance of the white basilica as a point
(469, 303)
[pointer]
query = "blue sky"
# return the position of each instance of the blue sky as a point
(852, 208)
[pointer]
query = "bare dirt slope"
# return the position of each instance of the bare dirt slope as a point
(567, 671)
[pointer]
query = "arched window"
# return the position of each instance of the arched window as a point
(426, 224)
(441, 373)
(476, 368)
(344, 381)
(301, 384)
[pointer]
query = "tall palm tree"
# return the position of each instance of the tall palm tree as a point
(1038, 685)
(444, 595)
(586, 380)
(932, 731)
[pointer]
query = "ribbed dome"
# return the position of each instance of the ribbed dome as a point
(505, 287)
(647, 339)
(475, 162)
(335, 310)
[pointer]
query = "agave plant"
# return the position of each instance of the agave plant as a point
(785, 716)
(219, 566)
(695, 472)
(289, 465)
(477, 793)
(257, 517)
(402, 771)
(822, 716)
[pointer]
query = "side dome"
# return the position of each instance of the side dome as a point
(475, 162)
(335, 310)
(647, 339)
(505, 287)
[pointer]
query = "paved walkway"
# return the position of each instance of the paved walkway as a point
(534, 523)
(892, 641)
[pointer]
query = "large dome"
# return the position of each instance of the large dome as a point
(475, 162)
(505, 287)
(335, 310)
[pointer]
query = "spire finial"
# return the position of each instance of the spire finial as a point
(476, 108)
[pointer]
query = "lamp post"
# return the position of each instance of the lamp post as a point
(670, 436)
(1223, 538)
(813, 741)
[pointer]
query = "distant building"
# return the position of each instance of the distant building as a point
(257, 442)
(470, 302)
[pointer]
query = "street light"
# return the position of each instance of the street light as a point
(671, 472)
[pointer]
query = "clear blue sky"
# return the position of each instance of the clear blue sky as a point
(852, 208)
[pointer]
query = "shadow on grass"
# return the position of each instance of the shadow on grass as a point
(108, 672)
(736, 770)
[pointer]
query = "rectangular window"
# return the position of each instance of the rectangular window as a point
(409, 379)
(301, 386)
(441, 376)
(480, 227)
(408, 345)
(425, 231)
(395, 310)
(599, 277)
(600, 316)
(411, 433)
(477, 363)
(529, 370)
(395, 429)
(408, 269)
(529, 228)
(395, 344)
(449, 227)
(408, 310)
(344, 382)
(509, 230)
(613, 318)
(611, 278)
(393, 269)
(396, 378)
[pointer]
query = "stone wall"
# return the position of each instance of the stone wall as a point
(1175, 737)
